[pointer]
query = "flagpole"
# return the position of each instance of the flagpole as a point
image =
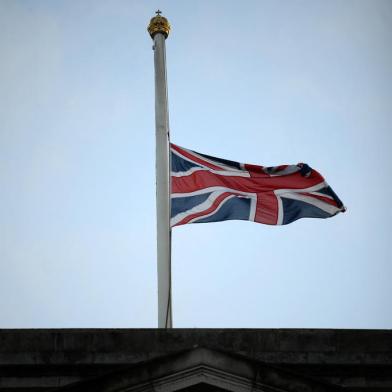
(159, 28)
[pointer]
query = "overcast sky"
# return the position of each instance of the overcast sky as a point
(263, 82)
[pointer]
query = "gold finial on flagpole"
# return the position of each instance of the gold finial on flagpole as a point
(159, 24)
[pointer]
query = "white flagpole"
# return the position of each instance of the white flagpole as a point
(159, 29)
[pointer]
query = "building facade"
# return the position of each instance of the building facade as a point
(195, 360)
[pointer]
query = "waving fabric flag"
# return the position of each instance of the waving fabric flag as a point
(209, 189)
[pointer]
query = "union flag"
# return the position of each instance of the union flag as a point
(208, 189)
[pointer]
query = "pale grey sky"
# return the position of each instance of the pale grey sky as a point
(263, 82)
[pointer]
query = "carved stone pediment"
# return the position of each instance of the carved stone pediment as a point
(201, 369)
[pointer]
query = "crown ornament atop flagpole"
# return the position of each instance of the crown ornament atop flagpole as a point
(159, 24)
